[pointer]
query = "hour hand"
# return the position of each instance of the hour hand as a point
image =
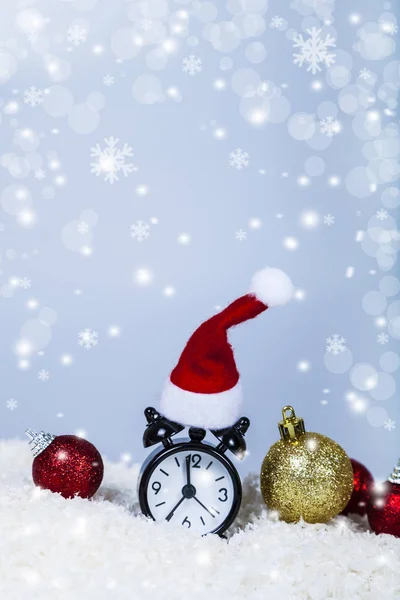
(171, 514)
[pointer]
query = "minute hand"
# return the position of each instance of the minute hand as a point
(205, 507)
(188, 469)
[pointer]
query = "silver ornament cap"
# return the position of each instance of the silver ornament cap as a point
(39, 440)
(395, 476)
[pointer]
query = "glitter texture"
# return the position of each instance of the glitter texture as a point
(308, 477)
(70, 466)
(363, 484)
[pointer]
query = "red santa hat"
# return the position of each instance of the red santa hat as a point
(204, 389)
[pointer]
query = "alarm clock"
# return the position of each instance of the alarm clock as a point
(190, 482)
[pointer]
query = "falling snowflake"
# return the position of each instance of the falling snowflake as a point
(108, 80)
(33, 96)
(140, 231)
(239, 159)
(40, 174)
(263, 89)
(88, 338)
(241, 235)
(192, 65)
(364, 74)
(32, 37)
(146, 24)
(25, 283)
(277, 22)
(82, 227)
(382, 338)
(111, 160)
(43, 375)
(382, 214)
(389, 424)
(330, 126)
(335, 344)
(11, 404)
(329, 220)
(86, 250)
(314, 51)
(77, 35)
(390, 28)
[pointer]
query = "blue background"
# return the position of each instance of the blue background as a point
(192, 189)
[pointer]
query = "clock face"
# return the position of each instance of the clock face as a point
(193, 486)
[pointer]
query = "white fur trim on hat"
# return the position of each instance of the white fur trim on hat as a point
(272, 287)
(210, 411)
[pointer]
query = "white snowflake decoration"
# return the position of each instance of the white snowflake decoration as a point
(32, 37)
(192, 64)
(43, 375)
(382, 338)
(40, 174)
(241, 235)
(277, 22)
(108, 80)
(329, 220)
(111, 160)
(389, 424)
(82, 227)
(25, 283)
(389, 27)
(314, 51)
(330, 126)
(88, 338)
(382, 214)
(239, 159)
(140, 231)
(263, 89)
(33, 96)
(364, 74)
(11, 404)
(77, 35)
(146, 24)
(335, 344)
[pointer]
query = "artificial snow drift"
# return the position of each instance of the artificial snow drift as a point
(56, 549)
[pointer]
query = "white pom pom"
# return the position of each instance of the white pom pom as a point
(272, 287)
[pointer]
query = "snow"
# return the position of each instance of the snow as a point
(77, 35)
(239, 159)
(140, 231)
(33, 96)
(330, 126)
(192, 65)
(88, 338)
(314, 51)
(335, 344)
(110, 160)
(100, 549)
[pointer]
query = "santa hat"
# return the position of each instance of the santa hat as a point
(204, 390)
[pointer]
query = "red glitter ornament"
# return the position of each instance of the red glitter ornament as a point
(384, 506)
(65, 464)
(363, 484)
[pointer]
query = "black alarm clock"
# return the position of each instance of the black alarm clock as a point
(191, 483)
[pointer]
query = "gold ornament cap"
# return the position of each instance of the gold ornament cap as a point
(291, 427)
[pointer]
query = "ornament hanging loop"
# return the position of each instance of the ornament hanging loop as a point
(291, 427)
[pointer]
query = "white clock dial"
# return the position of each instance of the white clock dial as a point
(193, 489)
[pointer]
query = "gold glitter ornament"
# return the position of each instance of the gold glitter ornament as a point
(305, 475)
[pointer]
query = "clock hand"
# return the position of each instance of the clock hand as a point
(171, 514)
(205, 507)
(188, 469)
